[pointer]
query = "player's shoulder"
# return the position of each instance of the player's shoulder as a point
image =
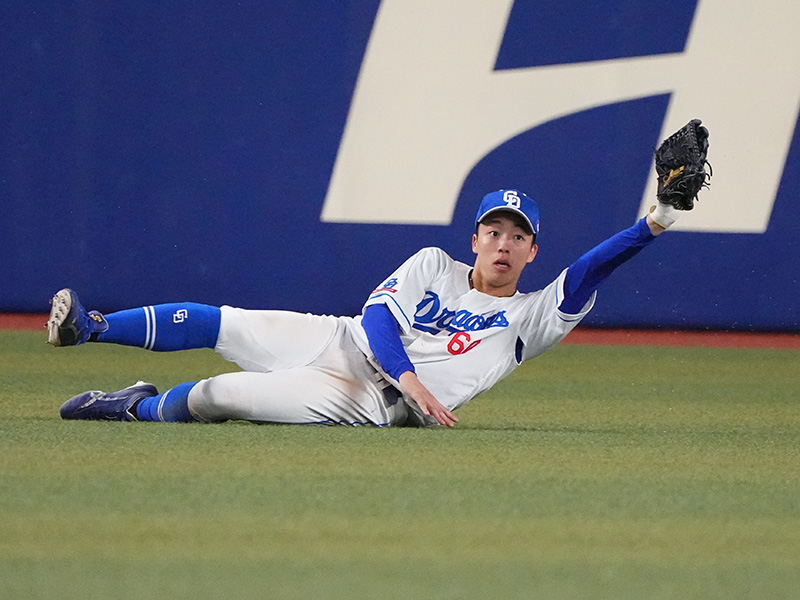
(435, 252)
(434, 264)
(435, 256)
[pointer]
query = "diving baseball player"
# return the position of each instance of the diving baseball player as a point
(434, 335)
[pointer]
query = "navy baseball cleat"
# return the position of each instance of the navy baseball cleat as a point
(115, 406)
(70, 324)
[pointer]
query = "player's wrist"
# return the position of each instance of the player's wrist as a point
(664, 215)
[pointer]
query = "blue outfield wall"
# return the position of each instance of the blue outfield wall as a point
(291, 154)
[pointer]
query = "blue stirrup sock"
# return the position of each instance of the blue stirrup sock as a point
(170, 407)
(164, 327)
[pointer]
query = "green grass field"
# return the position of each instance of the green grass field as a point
(592, 472)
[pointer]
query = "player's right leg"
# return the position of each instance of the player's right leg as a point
(302, 396)
(162, 327)
(338, 386)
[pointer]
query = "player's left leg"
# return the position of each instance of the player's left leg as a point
(100, 406)
(163, 327)
(138, 402)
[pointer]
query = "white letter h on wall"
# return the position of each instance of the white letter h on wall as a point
(429, 106)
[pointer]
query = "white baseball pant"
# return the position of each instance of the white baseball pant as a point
(298, 368)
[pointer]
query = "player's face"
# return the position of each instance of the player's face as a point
(503, 249)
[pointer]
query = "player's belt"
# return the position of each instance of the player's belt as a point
(392, 394)
(415, 418)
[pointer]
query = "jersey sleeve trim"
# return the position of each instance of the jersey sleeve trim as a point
(566, 316)
(575, 318)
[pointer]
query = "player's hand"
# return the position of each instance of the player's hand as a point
(411, 386)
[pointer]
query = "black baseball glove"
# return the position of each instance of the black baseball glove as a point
(681, 166)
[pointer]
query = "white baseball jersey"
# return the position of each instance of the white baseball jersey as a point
(320, 369)
(462, 341)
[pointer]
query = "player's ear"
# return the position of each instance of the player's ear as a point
(532, 255)
(475, 243)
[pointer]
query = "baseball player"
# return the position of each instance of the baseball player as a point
(434, 335)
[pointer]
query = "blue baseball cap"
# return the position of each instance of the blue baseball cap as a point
(511, 200)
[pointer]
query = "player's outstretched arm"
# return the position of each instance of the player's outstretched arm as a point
(412, 387)
(586, 274)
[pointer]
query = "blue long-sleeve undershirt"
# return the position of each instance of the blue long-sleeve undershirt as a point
(582, 279)
(383, 334)
(586, 274)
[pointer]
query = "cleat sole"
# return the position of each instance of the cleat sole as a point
(61, 304)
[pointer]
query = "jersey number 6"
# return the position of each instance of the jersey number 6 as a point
(458, 345)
